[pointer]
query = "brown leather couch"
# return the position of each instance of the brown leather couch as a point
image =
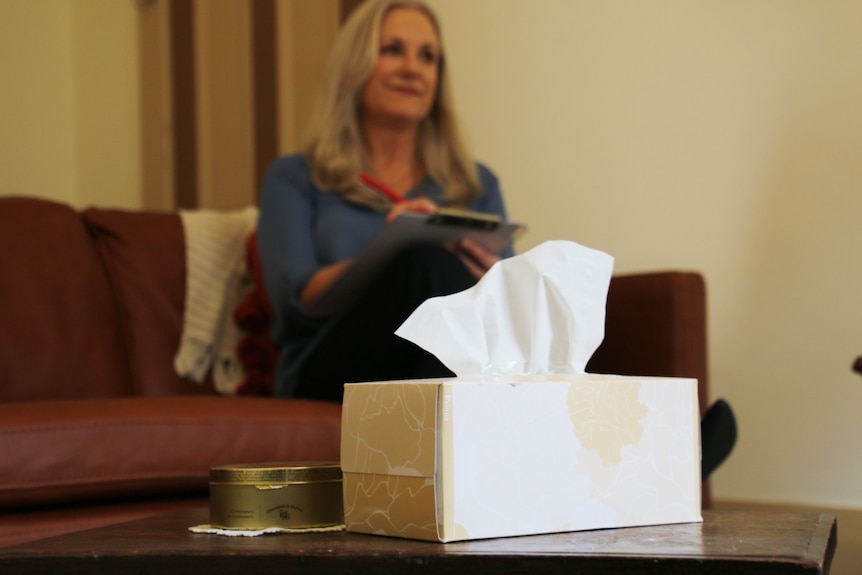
(95, 425)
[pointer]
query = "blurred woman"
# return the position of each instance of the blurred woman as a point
(383, 140)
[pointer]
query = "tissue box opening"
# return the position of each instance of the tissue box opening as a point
(460, 459)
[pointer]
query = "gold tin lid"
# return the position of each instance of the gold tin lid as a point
(275, 473)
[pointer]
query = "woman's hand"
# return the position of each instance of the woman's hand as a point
(474, 256)
(418, 205)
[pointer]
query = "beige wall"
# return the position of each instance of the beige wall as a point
(724, 137)
(37, 102)
(69, 101)
(302, 54)
(71, 98)
(108, 145)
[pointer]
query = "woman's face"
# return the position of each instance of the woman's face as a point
(403, 85)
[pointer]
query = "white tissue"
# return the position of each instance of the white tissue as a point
(542, 312)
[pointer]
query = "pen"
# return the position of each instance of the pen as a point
(390, 194)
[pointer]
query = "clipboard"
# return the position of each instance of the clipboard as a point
(408, 230)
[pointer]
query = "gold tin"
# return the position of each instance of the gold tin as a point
(288, 495)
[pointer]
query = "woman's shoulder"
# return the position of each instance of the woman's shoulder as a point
(483, 170)
(487, 178)
(292, 170)
(295, 163)
(288, 179)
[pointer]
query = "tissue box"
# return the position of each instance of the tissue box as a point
(459, 459)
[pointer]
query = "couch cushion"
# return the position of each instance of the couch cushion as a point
(60, 335)
(104, 449)
(144, 253)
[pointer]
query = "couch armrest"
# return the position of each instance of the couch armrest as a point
(656, 325)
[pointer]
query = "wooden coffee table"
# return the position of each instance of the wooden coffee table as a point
(726, 542)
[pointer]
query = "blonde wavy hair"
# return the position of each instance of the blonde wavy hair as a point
(333, 143)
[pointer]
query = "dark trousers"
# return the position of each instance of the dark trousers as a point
(362, 345)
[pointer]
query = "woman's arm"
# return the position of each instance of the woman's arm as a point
(285, 234)
(321, 280)
(326, 276)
